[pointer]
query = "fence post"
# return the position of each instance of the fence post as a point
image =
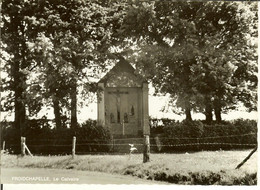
(158, 143)
(29, 152)
(23, 139)
(112, 149)
(146, 157)
(73, 147)
(3, 146)
(247, 158)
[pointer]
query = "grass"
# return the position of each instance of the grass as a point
(215, 167)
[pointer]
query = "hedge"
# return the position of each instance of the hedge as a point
(196, 136)
(42, 139)
(172, 136)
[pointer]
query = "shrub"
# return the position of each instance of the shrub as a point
(42, 139)
(93, 137)
(157, 125)
(191, 178)
(11, 136)
(194, 135)
(178, 134)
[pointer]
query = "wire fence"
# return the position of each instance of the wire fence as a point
(157, 144)
(187, 144)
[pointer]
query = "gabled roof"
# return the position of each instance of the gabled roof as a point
(121, 73)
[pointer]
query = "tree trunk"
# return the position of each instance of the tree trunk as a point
(208, 111)
(217, 111)
(18, 77)
(19, 117)
(57, 113)
(74, 121)
(188, 112)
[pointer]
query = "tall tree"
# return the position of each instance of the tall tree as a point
(190, 50)
(14, 36)
(71, 45)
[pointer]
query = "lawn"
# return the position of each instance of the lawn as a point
(208, 167)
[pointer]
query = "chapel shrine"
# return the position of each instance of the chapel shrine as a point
(123, 101)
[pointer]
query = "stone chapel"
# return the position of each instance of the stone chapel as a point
(123, 101)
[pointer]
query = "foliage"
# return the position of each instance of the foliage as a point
(70, 49)
(11, 134)
(17, 63)
(203, 136)
(42, 139)
(51, 49)
(191, 178)
(156, 125)
(198, 52)
(91, 131)
(202, 53)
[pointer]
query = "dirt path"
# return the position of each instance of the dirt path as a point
(59, 176)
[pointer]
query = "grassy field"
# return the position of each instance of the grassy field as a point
(216, 167)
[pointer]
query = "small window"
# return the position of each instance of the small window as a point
(132, 111)
(112, 118)
(125, 118)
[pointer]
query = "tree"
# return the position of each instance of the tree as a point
(190, 50)
(55, 47)
(14, 39)
(70, 41)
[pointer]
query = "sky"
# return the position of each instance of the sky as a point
(156, 104)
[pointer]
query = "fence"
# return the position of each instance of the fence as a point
(156, 144)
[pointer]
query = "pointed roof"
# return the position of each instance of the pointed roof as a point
(122, 75)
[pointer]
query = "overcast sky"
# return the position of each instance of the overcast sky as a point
(156, 104)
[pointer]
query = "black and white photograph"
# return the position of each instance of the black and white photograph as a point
(129, 92)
